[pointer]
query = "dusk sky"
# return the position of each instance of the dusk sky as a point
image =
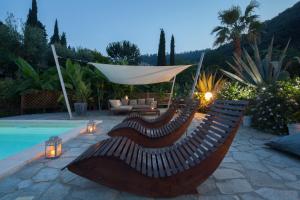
(95, 23)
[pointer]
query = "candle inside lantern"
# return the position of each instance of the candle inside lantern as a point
(53, 147)
(51, 152)
(91, 127)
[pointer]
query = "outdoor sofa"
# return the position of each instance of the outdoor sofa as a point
(125, 105)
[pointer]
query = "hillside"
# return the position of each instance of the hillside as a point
(284, 26)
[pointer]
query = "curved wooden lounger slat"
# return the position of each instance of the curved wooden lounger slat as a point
(157, 137)
(166, 172)
(155, 122)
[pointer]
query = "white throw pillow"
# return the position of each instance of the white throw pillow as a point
(115, 103)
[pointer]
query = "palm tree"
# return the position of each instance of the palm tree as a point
(234, 25)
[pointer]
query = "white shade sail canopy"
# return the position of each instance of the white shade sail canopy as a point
(139, 75)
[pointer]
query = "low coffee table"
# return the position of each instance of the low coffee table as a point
(146, 111)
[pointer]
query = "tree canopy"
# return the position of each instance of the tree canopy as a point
(123, 52)
(234, 24)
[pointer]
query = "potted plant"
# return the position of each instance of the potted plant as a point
(294, 123)
(77, 85)
(81, 96)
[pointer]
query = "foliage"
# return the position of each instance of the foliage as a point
(32, 81)
(32, 18)
(161, 54)
(55, 37)
(234, 24)
(236, 91)
(35, 46)
(275, 104)
(97, 81)
(208, 83)
(73, 76)
(9, 102)
(258, 72)
(63, 39)
(295, 117)
(10, 45)
(124, 51)
(172, 51)
(6, 92)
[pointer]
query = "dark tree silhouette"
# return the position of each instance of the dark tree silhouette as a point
(32, 18)
(172, 51)
(161, 55)
(63, 39)
(55, 37)
(123, 52)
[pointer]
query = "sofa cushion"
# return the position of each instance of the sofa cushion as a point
(140, 106)
(149, 100)
(133, 102)
(141, 101)
(115, 103)
(289, 143)
(122, 108)
(124, 102)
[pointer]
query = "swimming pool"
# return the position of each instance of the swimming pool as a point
(16, 136)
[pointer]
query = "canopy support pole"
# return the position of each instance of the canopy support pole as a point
(197, 75)
(62, 83)
(172, 91)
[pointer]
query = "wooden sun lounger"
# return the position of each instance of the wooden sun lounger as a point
(179, 169)
(157, 137)
(155, 122)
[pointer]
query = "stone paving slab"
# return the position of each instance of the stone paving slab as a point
(249, 171)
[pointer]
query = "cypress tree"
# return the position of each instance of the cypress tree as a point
(172, 51)
(161, 54)
(32, 18)
(35, 38)
(63, 39)
(55, 37)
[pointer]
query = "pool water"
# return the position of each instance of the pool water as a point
(16, 137)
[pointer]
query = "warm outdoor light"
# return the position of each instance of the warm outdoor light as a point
(126, 97)
(91, 126)
(53, 147)
(152, 105)
(208, 96)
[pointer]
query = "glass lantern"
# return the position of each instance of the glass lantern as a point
(91, 127)
(53, 147)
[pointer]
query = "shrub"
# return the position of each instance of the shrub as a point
(9, 101)
(258, 72)
(207, 87)
(236, 91)
(275, 104)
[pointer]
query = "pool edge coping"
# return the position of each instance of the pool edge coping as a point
(15, 162)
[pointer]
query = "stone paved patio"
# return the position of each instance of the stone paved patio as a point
(249, 171)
